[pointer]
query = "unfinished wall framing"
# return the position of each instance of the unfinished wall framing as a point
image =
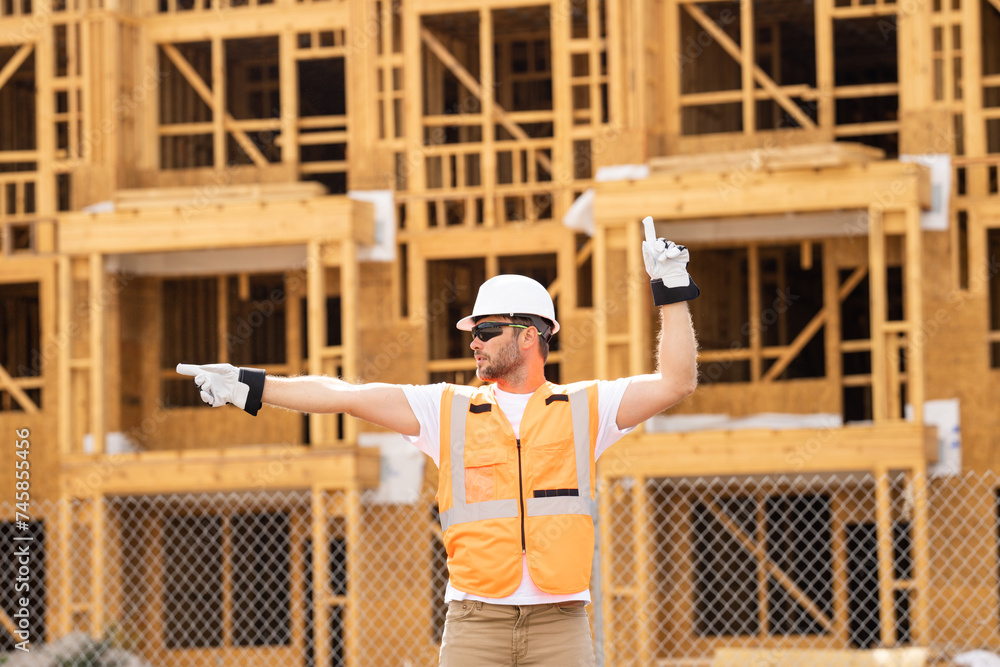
(182, 180)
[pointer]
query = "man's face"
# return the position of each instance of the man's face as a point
(499, 358)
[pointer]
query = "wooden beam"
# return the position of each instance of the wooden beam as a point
(208, 96)
(15, 62)
(710, 194)
(231, 469)
(898, 445)
(759, 75)
(478, 90)
(203, 223)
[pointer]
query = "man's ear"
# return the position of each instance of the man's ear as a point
(528, 337)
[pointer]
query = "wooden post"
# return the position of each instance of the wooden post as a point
(97, 567)
(65, 341)
(607, 584)
(97, 384)
(825, 112)
(673, 58)
(877, 296)
(601, 299)
(288, 70)
(488, 156)
(886, 588)
(831, 339)
(316, 307)
(352, 623)
(562, 105)
(747, 63)
(414, 159)
(640, 517)
(64, 593)
(914, 296)
(218, 104)
(350, 283)
(320, 566)
(920, 607)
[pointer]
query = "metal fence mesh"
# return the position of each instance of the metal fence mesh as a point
(685, 566)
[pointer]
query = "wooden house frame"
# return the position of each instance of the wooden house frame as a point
(213, 148)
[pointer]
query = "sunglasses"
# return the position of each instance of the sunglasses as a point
(488, 330)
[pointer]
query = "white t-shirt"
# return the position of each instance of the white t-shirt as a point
(425, 401)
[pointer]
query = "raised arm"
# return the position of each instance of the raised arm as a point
(677, 370)
(382, 404)
(677, 348)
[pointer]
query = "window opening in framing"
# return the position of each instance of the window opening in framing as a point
(20, 340)
(181, 104)
(190, 331)
(452, 285)
(706, 67)
(721, 315)
(993, 262)
(253, 92)
(322, 101)
(256, 333)
(785, 50)
(865, 54)
(18, 106)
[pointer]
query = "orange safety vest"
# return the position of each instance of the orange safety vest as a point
(507, 497)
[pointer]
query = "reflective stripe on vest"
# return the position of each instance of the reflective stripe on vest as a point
(462, 512)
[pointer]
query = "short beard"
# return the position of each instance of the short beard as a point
(504, 365)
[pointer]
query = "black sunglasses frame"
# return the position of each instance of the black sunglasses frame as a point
(485, 331)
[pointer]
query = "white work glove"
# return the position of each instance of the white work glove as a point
(666, 263)
(225, 383)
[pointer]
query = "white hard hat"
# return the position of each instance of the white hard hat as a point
(511, 295)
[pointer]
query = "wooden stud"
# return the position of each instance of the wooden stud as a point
(97, 565)
(877, 285)
(316, 308)
(921, 557)
(883, 517)
(96, 307)
(320, 583)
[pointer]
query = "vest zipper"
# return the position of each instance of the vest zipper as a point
(520, 494)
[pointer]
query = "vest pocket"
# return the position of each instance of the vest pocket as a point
(481, 473)
(553, 466)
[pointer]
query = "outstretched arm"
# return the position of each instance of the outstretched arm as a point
(677, 349)
(377, 402)
(381, 404)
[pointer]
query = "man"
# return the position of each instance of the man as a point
(516, 459)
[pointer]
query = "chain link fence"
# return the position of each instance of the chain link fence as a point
(685, 567)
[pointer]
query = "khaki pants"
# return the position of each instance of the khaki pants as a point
(478, 634)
